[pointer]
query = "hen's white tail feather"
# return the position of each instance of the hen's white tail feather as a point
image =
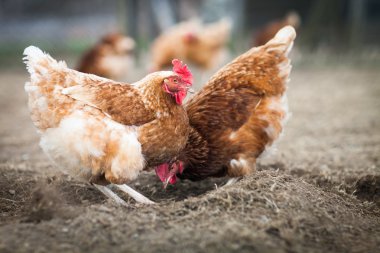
(39, 63)
(283, 41)
(284, 38)
(286, 34)
(47, 78)
(33, 52)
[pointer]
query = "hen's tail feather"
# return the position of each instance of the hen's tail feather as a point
(40, 64)
(283, 40)
(46, 75)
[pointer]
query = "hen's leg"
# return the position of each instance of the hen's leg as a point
(134, 194)
(110, 194)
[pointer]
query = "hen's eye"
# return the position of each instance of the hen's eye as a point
(175, 81)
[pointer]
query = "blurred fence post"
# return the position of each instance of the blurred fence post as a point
(131, 11)
(121, 17)
(163, 14)
(132, 16)
(324, 25)
(214, 10)
(357, 21)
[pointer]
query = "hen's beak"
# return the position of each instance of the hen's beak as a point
(171, 179)
(187, 88)
(166, 182)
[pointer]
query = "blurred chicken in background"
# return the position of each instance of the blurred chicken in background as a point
(267, 32)
(192, 41)
(111, 57)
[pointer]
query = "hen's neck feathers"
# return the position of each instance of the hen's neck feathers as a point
(154, 97)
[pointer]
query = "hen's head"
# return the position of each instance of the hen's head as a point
(179, 84)
(176, 83)
(168, 172)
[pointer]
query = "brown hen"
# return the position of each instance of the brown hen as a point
(237, 115)
(192, 42)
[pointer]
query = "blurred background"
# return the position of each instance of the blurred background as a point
(344, 28)
(332, 141)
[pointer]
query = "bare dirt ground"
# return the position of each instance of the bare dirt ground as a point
(319, 193)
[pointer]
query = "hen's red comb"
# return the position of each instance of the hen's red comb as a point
(183, 71)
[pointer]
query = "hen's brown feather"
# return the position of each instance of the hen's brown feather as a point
(239, 112)
(116, 100)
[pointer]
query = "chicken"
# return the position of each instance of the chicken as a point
(269, 31)
(103, 131)
(110, 57)
(193, 42)
(237, 115)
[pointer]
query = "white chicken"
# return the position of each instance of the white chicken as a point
(103, 131)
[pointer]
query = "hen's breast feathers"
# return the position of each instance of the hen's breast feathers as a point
(240, 111)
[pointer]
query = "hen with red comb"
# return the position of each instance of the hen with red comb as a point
(119, 129)
(183, 71)
(180, 84)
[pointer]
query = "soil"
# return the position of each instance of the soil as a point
(320, 192)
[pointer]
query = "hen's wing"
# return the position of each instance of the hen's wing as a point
(233, 93)
(51, 81)
(221, 108)
(238, 112)
(122, 102)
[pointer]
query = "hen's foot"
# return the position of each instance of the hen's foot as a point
(110, 194)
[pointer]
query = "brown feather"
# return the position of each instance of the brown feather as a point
(116, 100)
(232, 118)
